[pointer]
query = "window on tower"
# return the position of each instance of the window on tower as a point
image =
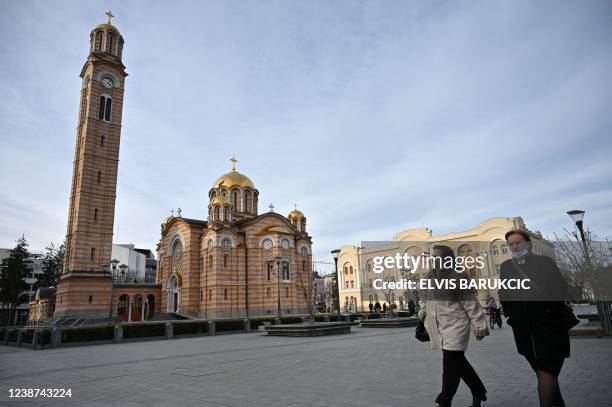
(104, 110)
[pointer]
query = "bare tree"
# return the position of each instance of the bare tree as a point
(308, 289)
(587, 266)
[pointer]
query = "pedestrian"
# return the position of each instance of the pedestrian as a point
(384, 308)
(536, 315)
(411, 307)
(377, 307)
(448, 314)
(371, 307)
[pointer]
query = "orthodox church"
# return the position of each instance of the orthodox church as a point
(237, 262)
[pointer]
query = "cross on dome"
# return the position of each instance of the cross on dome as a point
(110, 15)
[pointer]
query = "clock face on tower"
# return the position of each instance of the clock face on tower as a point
(107, 82)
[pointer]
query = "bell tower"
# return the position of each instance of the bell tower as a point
(85, 287)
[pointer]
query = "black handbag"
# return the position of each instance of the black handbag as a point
(569, 319)
(421, 333)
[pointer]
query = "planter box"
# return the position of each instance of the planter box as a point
(390, 322)
(316, 329)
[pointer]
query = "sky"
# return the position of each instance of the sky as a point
(372, 116)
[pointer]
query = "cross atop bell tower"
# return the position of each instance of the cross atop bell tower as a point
(85, 284)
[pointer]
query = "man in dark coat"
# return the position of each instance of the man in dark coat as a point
(535, 314)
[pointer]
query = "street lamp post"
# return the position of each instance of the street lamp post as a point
(577, 216)
(279, 260)
(336, 254)
(123, 269)
(603, 307)
(114, 263)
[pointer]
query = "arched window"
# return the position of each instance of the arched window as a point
(95, 214)
(104, 110)
(150, 307)
(226, 243)
(210, 262)
(235, 199)
(123, 307)
(93, 253)
(216, 213)
(268, 292)
(225, 294)
(247, 201)
(110, 40)
(286, 292)
(177, 258)
(99, 178)
(102, 141)
(303, 251)
(351, 270)
(495, 250)
(226, 214)
(225, 260)
(136, 308)
(270, 268)
(285, 268)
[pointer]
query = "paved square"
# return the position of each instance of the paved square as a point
(370, 367)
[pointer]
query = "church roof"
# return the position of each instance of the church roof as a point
(234, 178)
(195, 221)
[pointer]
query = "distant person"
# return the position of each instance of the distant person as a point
(371, 307)
(411, 307)
(377, 307)
(384, 308)
(448, 315)
(535, 315)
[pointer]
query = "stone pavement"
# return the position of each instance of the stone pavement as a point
(370, 367)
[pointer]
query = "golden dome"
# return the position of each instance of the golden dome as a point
(295, 213)
(234, 178)
(220, 200)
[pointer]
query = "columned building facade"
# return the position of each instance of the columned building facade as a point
(355, 264)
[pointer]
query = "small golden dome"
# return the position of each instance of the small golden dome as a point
(107, 27)
(295, 213)
(220, 200)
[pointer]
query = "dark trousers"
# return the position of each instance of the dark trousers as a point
(454, 368)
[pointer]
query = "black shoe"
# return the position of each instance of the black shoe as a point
(477, 399)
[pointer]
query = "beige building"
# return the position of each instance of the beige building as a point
(355, 264)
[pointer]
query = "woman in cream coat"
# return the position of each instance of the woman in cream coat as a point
(450, 314)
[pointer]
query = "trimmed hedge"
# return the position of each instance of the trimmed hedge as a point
(144, 330)
(226, 325)
(89, 333)
(190, 327)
